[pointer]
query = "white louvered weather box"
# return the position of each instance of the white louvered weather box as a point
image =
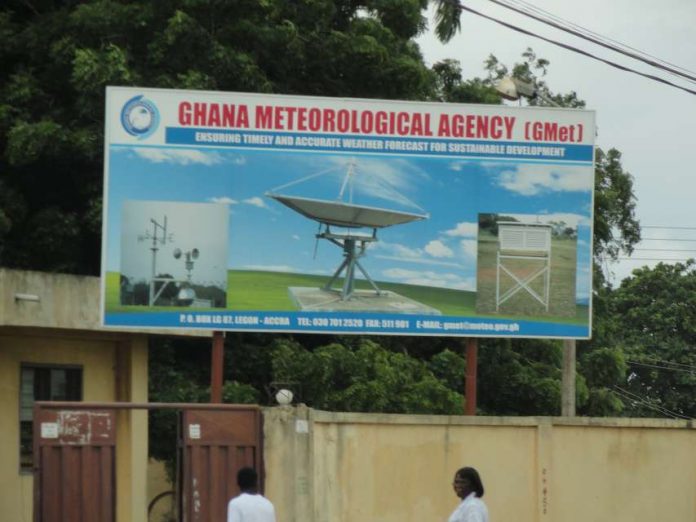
(529, 241)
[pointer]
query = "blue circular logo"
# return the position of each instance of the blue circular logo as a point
(140, 117)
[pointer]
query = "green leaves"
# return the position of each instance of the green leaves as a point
(93, 69)
(616, 227)
(363, 378)
(30, 142)
(447, 19)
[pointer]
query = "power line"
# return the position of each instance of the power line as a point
(665, 239)
(662, 361)
(645, 402)
(661, 367)
(632, 397)
(576, 50)
(533, 8)
(673, 260)
(665, 249)
(597, 41)
(668, 227)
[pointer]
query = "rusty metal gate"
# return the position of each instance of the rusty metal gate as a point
(216, 444)
(74, 463)
(75, 458)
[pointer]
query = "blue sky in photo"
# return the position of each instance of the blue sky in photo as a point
(265, 235)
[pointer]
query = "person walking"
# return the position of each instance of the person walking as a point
(468, 486)
(249, 505)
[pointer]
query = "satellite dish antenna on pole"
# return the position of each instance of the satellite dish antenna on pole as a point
(346, 214)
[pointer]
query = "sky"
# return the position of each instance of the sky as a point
(192, 185)
(652, 124)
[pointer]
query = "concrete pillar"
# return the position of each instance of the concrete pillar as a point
(568, 379)
(288, 462)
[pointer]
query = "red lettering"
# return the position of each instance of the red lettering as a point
(343, 120)
(264, 116)
(509, 122)
(185, 113)
(213, 119)
(329, 120)
(366, 122)
(302, 119)
(291, 117)
(243, 117)
(278, 118)
(381, 122)
(314, 120)
(470, 126)
(550, 131)
(198, 114)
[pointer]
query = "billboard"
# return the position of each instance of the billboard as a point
(237, 211)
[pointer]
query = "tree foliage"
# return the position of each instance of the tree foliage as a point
(653, 321)
(58, 57)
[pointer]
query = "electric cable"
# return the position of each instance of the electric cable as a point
(534, 8)
(636, 363)
(642, 400)
(576, 50)
(662, 361)
(597, 41)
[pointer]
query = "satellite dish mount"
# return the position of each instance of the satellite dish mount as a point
(353, 249)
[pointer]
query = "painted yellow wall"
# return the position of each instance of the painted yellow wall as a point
(98, 358)
(158, 483)
(131, 432)
(400, 467)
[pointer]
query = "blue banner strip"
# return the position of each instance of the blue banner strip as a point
(362, 323)
(377, 144)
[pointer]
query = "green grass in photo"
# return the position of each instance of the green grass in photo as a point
(268, 291)
(256, 290)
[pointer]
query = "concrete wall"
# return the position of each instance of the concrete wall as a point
(61, 327)
(389, 468)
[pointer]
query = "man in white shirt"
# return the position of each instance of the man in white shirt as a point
(468, 486)
(249, 505)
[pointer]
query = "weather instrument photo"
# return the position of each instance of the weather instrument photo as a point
(530, 242)
(159, 238)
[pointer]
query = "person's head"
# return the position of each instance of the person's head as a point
(466, 481)
(247, 479)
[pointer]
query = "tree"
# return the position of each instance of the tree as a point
(616, 228)
(365, 378)
(58, 57)
(653, 320)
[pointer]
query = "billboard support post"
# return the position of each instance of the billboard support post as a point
(471, 370)
(217, 358)
(568, 379)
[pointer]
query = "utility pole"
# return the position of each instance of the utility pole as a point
(568, 379)
(471, 376)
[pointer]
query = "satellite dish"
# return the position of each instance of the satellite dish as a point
(195, 253)
(177, 253)
(346, 215)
